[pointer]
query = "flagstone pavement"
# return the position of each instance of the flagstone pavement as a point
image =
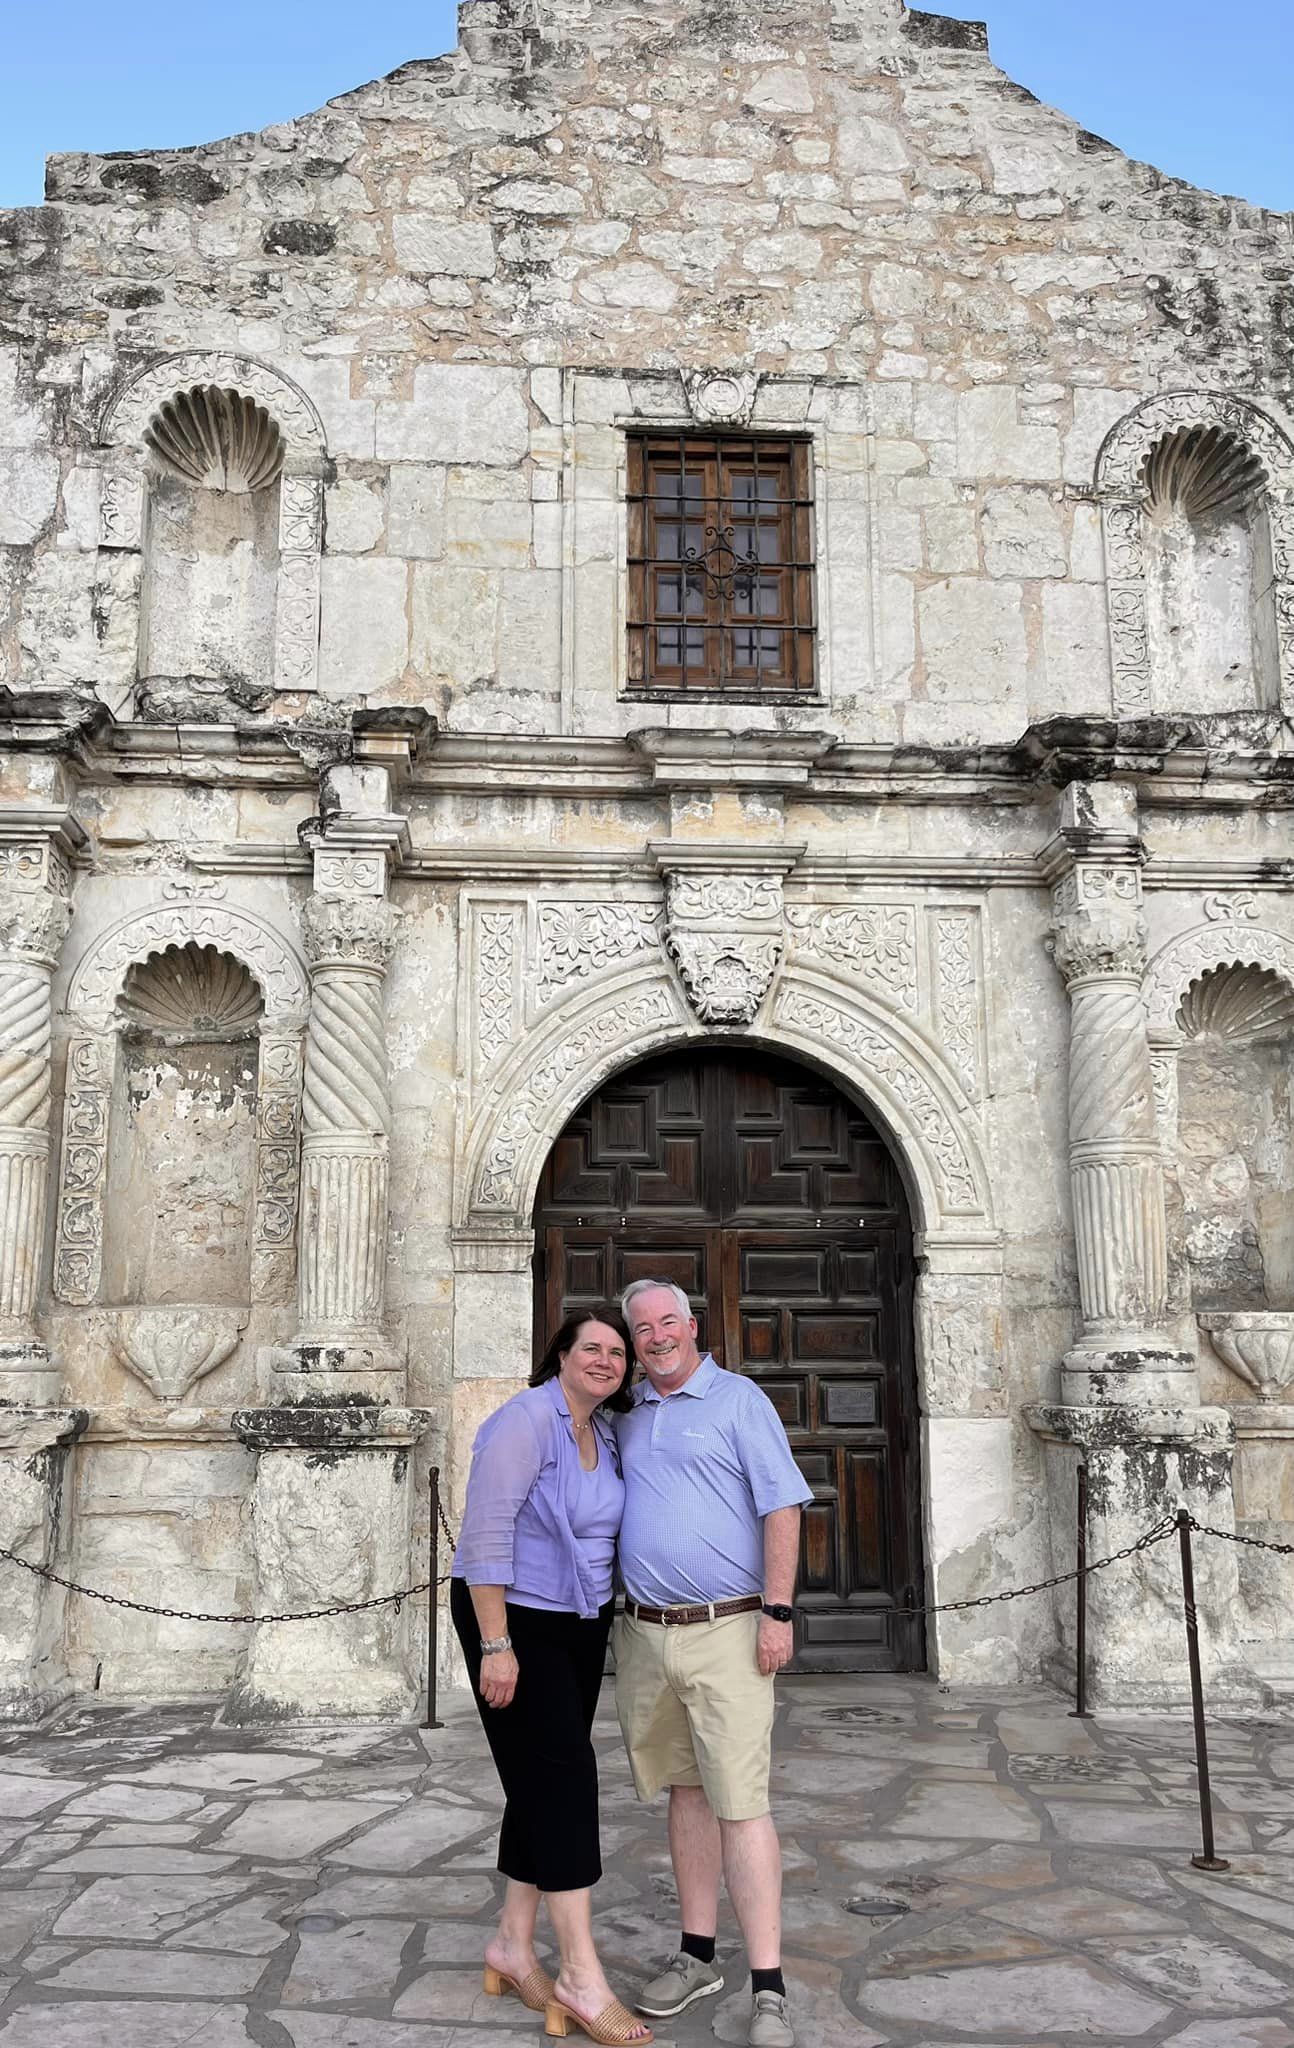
(169, 1883)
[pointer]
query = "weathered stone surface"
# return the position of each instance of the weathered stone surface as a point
(442, 305)
(1074, 1996)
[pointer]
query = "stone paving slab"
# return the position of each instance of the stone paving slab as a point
(169, 1883)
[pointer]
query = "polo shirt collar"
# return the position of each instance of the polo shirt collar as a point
(698, 1385)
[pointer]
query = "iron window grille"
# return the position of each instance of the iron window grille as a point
(721, 564)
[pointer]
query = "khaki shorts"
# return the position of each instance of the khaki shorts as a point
(694, 1710)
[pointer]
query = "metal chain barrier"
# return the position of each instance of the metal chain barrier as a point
(1160, 1531)
(1181, 1523)
(395, 1600)
(1250, 1542)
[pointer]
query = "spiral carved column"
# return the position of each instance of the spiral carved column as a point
(1129, 1397)
(33, 924)
(347, 1123)
(1116, 1166)
(1115, 1161)
(332, 1513)
(35, 1435)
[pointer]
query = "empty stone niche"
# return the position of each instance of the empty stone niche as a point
(1210, 604)
(182, 1155)
(1234, 1184)
(211, 541)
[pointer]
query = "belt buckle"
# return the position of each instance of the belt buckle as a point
(669, 1619)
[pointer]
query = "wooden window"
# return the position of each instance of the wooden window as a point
(721, 535)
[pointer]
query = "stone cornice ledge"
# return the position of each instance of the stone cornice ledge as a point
(21, 822)
(1242, 760)
(28, 1429)
(723, 856)
(732, 760)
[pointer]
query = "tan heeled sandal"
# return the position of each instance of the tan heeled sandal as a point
(534, 1990)
(614, 2026)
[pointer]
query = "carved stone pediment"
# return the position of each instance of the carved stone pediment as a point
(725, 924)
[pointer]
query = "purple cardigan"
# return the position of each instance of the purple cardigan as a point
(521, 1494)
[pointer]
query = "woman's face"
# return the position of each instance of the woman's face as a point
(595, 1365)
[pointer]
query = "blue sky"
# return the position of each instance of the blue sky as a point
(1203, 91)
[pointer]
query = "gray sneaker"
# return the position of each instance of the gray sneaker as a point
(769, 2025)
(681, 1983)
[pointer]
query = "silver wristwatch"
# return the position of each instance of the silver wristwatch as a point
(495, 1645)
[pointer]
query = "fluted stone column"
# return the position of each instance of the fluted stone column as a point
(332, 1512)
(1129, 1408)
(34, 917)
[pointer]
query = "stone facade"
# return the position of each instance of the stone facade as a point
(344, 858)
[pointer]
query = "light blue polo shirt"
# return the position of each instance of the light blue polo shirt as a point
(702, 1467)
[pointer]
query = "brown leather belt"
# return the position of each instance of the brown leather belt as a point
(683, 1617)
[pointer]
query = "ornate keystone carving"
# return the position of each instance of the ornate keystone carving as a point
(724, 930)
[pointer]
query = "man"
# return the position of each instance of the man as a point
(708, 1552)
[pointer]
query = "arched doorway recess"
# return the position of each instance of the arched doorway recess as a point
(770, 1197)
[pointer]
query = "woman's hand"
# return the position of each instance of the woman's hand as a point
(498, 1678)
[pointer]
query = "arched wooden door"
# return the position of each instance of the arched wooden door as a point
(773, 1201)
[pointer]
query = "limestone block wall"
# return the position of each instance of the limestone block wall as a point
(454, 289)
(347, 697)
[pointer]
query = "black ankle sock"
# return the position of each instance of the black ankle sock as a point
(767, 1980)
(699, 1945)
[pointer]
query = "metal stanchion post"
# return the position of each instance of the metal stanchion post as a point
(1208, 1860)
(433, 1599)
(1080, 1591)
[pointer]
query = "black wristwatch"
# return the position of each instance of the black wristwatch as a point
(776, 1613)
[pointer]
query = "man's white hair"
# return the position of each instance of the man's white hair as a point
(637, 1287)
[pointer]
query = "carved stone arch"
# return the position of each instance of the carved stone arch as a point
(122, 428)
(1196, 953)
(1123, 453)
(1121, 491)
(274, 964)
(875, 1055)
(97, 981)
(135, 402)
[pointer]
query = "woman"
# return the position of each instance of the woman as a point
(531, 1600)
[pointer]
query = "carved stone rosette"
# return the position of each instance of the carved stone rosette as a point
(346, 1120)
(1116, 1164)
(724, 926)
(34, 917)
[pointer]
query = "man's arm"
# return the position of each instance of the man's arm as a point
(776, 1642)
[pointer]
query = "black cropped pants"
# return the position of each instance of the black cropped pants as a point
(542, 1742)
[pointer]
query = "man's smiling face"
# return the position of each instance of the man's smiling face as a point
(664, 1338)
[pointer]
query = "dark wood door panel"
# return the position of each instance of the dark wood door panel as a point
(775, 1205)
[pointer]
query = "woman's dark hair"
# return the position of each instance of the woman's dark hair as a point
(550, 1364)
